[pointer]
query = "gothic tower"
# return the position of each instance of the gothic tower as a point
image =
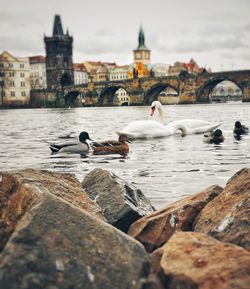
(141, 53)
(59, 61)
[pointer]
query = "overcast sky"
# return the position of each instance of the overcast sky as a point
(216, 33)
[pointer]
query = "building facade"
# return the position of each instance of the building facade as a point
(159, 69)
(121, 97)
(138, 70)
(59, 60)
(15, 80)
(102, 73)
(99, 71)
(80, 74)
(191, 67)
(38, 72)
(118, 73)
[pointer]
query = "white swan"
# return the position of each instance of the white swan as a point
(154, 129)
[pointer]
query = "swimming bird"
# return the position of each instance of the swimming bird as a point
(111, 146)
(76, 146)
(153, 129)
(214, 137)
(240, 129)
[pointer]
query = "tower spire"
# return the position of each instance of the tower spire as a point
(57, 30)
(141, 39)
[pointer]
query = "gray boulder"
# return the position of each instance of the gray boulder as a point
(121, 203)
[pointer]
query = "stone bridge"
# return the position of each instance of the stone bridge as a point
(189, 88)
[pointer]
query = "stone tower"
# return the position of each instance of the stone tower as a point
(59, 61)
(141, 53)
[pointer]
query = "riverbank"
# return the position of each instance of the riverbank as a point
(103, 233)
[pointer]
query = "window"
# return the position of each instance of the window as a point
(21, 65)
(12, 93)
(12, 83)
(22, 83)
(11, 65)
(1, 65)
(138, 54)
(22, 74)
(11, 74)
(23, 93)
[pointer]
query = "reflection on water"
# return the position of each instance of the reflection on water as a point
(164, 169)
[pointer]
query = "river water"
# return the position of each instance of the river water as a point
(164, 169)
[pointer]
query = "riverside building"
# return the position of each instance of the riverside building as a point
(116, 74)
(15, 80)
(80, 73)
(38, 72)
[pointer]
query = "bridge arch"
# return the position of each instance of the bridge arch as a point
(154, 91)
(72, 97)
(203, 93)
(107, 94)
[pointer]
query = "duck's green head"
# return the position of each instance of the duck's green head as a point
(83, 136)
(217, 133)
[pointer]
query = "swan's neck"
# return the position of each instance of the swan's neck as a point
(182, 128)
(161, 113)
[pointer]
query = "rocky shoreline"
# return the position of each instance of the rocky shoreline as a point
(57, 233)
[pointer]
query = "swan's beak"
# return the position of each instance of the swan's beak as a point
(152, 110)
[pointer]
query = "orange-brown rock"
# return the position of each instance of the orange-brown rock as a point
(21, 189)
(155, 229)
(58, 240)
(227, 217)
(191, 260)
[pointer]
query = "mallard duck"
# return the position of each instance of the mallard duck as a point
(111, 146)
(80, 146)
(240, 129)
(214, 137)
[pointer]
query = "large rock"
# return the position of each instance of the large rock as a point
(121, 203)
(227, 217)
(20, 189)
(192, 260)
(56, 244)
(155, 229)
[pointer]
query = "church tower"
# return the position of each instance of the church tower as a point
(141, 53)
(59, 61)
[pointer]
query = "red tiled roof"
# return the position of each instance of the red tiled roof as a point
(79, 66)
(37, 59)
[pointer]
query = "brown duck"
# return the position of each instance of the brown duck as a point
(112, 146)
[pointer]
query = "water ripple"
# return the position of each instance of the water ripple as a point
(164, 169)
